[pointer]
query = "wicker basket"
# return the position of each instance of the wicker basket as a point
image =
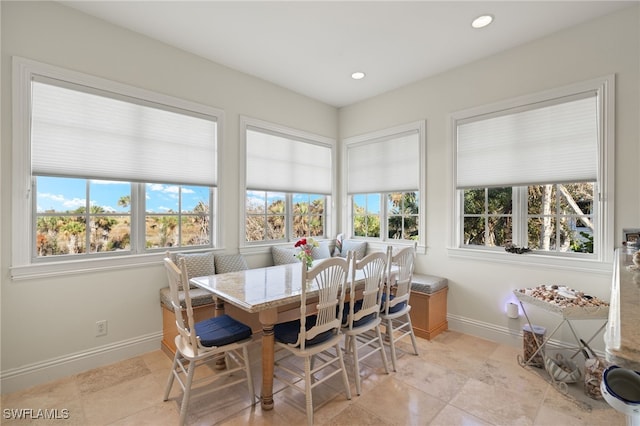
(562, 370)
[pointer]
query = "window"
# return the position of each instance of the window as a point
(108, 169)
(384, 173)
(289, 181)
(535, 173)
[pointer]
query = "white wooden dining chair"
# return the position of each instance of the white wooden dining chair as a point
(205, 341)
(361, 320)
(395, 300)
(317, 335)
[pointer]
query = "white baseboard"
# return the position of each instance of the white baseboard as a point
(16, 379)
(502, 335)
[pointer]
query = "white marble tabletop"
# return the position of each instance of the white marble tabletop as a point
(258, 289)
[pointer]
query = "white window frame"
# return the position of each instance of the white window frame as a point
(602, 258)
(22, 264)
(347, 200)
(329, 208)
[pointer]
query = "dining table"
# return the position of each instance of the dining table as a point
(265, 291)
(259, 291)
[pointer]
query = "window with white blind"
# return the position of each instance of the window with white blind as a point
(105, 170)
(289, 181)
(534, 175)
(383, 180)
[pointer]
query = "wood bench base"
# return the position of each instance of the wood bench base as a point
(429, 313)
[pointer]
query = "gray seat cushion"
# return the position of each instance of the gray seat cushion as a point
(428, 284)
(199, 297)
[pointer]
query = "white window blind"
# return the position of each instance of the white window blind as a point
(384, 165)
(553, 142)
(77, 131)
(279, 163)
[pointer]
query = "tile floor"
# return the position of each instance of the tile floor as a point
(456, 380)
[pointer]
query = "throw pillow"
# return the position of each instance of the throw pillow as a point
(359, 247)
(321, 252)
(197, 264)
(338, 249)
(284, 255)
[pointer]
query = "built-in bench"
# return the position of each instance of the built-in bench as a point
(428, 302)
(203, 306)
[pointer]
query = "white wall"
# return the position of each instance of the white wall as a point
(48, 324)
(479, 290)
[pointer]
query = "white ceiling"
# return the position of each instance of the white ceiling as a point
(312, 47)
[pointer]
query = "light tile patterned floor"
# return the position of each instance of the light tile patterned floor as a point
(456, 380)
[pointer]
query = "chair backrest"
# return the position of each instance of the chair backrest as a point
(370, 271)
(230, 263)
(404, 261)
(176, 278)
(329, 277)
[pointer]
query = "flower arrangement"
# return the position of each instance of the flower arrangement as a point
(306, 245)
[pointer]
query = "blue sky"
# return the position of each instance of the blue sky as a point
(65, 194)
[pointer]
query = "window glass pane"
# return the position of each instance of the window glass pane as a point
(162, 198)
(559, 222)
(499, 232)
(162, 231)
(178, 216)
(499, 200)
(194, 230)
(66, 233)
(60, 235)
(474, 201)
(255, 228)
(255, 202)
(195, 199)
(60, 195)
(366, 215)
(402, 220)
(542, 198)
(307, 215)
(275, 227)
(474, 231)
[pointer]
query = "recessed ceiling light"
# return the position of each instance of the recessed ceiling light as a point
(358, 75)
(482, 21)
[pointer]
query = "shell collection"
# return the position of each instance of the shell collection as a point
(563, 296)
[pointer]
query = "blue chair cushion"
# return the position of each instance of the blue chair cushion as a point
(356, 307)
(287, 332)
(222, 330)
(393, 309)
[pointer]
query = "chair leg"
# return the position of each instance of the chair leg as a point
(392, 344)
(356, 362)
(382, 352)
(345, 378)
(307, 390)
(171, 377)
(247, 366)
(187, 392)
(413, 336)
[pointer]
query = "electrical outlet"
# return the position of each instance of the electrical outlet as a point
(101, 328)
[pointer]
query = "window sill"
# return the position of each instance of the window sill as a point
(530, 259)
(58, 268)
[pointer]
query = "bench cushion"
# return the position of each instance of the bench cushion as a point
(428, 284)
(199, 297)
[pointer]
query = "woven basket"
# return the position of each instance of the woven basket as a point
(562, 370)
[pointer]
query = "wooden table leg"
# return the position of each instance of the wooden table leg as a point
(267, 318)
